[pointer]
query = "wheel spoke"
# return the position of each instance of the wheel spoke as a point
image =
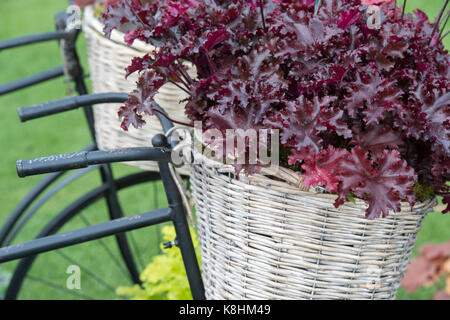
(86, 271)
(156, 204)
(44, 199)
(61, 219)
(136, 249)
(103, 244)
(58, 287)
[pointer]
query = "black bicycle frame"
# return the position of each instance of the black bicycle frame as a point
(46, 240)
(74, 71)
(175, 212)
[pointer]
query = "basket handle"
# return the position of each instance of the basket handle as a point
(84, 159)
(67, 104)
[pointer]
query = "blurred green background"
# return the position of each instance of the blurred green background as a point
(53, 135)
(68, 133)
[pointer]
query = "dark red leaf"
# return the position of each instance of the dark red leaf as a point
(140, 100)
(322, 168)
(347, 18)
(120, 12)
(382, 182)
(302, 120)
(377, 138)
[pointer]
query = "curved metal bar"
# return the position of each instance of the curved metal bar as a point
(55, 224)
(30, 198)
(69, 103)
(58, 287)
(72, 103)
(31, 80)
(136, 178)
(166, 124)
(58, 241)
(76, 74)
(85, 158)
(115, 212)
(26, 202)
(44, 199)
(75, 71)
(64, 216)
(181, 225)
(35, 38)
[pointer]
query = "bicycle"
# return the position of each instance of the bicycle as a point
(109, 187)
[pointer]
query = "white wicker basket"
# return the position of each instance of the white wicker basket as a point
(265, 238)
(108, 59)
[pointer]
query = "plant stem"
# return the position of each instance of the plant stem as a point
(261, 7)
(446, 34)
(212, 67)
(173, 120)
(175, 73)
(182, 75)
(445, 23)
(403, 9)
(145, 25)
(438, 20)
(180, 87)
(185, 74)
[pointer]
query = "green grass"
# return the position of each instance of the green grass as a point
(67, 133)
(58, 134)
(431, 8)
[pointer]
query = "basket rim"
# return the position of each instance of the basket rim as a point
(289, 176)
(292, 180)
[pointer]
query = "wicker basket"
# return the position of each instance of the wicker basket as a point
(265, 238)
(108, 59)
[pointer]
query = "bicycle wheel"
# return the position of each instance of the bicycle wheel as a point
(99, 266)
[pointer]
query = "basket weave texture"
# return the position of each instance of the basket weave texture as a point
(265, 238)
(108, 59)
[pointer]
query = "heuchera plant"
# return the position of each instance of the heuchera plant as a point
(362, 112)
(165, 277)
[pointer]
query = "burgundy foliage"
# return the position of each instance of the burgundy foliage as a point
(362, 112)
